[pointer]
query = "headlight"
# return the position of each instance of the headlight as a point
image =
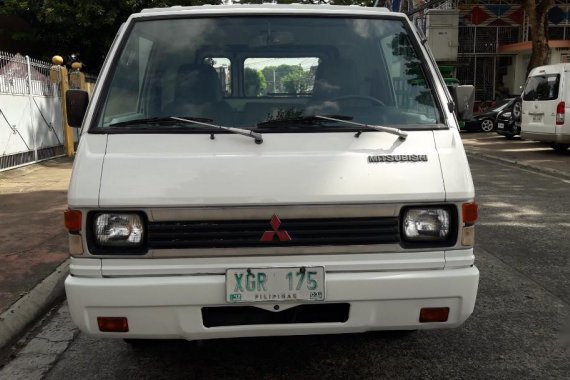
(426, 224)
(118, 229)
(506, 114)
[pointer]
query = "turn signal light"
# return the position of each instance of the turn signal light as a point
(560, 113)
(434, 314)
(470, 213)
(113, 324)
(73, 220)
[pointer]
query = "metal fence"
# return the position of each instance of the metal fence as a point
(486, 39)
(24, 75)
(31, 126)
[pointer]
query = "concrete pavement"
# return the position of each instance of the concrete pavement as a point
(33, 242)
(527, 154)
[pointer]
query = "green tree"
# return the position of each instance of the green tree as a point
(254, 82)
(297, 81)
(81, 27)
(288, 78)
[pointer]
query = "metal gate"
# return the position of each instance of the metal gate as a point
(31, 127)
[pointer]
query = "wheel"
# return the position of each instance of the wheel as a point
(517, 109)
(371, 99)
(487, 125)
(560, 148)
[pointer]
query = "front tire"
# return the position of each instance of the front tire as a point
(487, 125)
(517, 110)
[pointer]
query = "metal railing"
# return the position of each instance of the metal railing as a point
(22, 75)
(486, 39)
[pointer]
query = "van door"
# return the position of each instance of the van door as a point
(541, 97)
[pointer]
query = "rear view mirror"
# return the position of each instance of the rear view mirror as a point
(76, 102)
(464, 99)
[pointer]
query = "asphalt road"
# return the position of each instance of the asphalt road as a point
(519, 328)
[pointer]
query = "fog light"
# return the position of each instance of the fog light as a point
(75, 244)
(468, 236)
(434, 314)
(113, 324)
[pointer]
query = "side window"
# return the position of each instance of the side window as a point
(124, 96)
(410, 85)
(223, 67)
(266, 77)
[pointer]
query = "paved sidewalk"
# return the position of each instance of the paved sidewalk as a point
(529, 154)
(33, 241)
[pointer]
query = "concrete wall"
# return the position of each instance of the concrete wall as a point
(516, 74)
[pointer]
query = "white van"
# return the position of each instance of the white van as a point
(268, 170)
(546, 102)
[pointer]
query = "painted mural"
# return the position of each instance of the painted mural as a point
(489, 14)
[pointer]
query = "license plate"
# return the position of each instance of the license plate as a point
(536, 118)
(500, 126)
(275, 284)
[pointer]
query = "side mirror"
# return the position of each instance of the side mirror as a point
(76, 102)
(464, 99)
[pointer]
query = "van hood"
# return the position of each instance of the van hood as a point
(169, 170)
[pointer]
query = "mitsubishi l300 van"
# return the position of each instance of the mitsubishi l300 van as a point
(269, 170)
(546, 101)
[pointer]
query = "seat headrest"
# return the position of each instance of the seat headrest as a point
(198, 83)
(334, 78)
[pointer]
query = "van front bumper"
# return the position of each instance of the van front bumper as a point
(170, 307)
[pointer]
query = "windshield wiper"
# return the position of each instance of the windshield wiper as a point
(395, 131)
(294, 122)
(154, 121)
(246, 132)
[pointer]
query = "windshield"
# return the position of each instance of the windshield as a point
(246, 71)
(501, 105)
(543, 87)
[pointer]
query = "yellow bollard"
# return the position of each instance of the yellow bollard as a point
(58, 74)
(76, 77)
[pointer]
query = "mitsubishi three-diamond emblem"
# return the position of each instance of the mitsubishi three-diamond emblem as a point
(281, 235)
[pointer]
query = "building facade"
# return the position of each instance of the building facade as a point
(494, 45)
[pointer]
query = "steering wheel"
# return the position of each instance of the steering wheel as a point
(371, 99)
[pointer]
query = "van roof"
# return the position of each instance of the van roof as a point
(267, 8)
(549, 69)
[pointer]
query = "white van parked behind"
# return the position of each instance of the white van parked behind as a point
(546, 102)
(268, 170)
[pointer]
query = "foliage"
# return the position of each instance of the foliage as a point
(83, 28)
(254, 82)
(86, 28)
(285, 78)
(298, 81)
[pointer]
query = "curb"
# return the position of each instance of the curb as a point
(15, 320)
(534, 168)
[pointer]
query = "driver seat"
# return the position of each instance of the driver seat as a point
(198, 93)
(333, 79)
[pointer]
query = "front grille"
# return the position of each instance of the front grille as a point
(248, 233)
(249, 315)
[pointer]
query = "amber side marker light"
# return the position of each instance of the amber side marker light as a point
(470, 213)
(434, 314)
(113, 324)
(72, 220)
